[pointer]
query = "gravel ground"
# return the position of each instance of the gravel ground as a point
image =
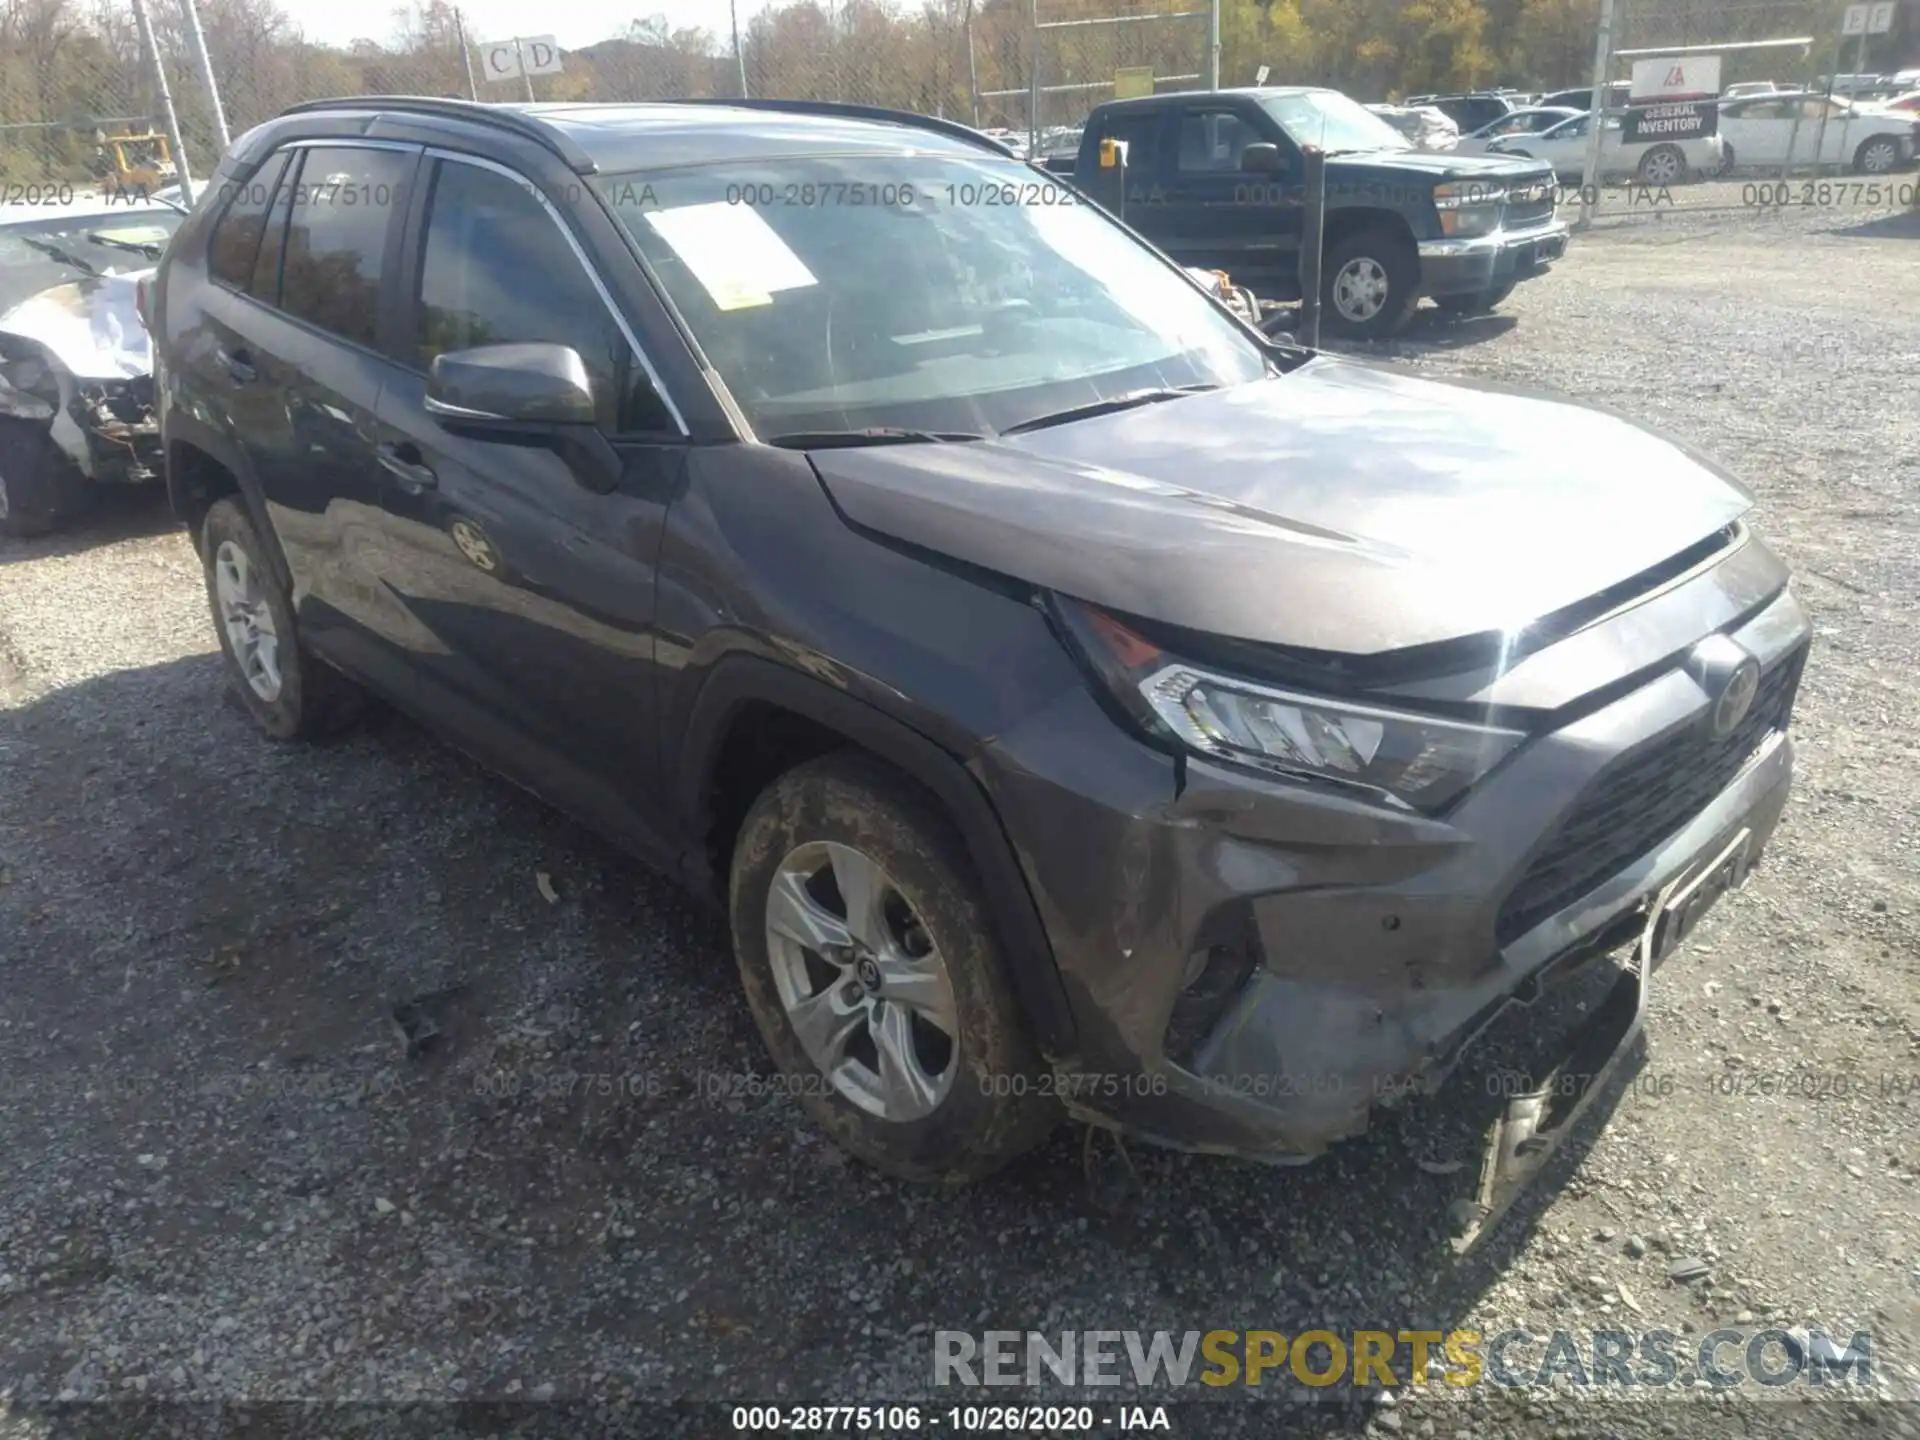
(226, 1176)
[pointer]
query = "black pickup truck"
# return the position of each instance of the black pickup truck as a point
(1214, 179)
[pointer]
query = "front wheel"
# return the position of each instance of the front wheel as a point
(1370, 284)
(1879, 155)
(1478, 303)
(869, 964)
(40, 489)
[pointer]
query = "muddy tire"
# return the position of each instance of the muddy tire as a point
(870, 966)
(1369, 284)
(290, 694)
(40, 490)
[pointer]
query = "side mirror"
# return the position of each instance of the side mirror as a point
(510, 387)
(1262, 158)
(525, 394)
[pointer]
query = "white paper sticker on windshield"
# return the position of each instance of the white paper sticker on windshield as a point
(732, 251)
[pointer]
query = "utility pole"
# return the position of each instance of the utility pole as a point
(1213, 44)
(973, 72)
(525, 78)
(466, 53)
(166, 101)
(1602, 67)
(739, 55)
(198, 41)
(1033, 83)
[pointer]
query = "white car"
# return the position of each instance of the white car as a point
(1745, 88)
(1651, 162)
(1532, 121)
(1868, 138)
(76, 370)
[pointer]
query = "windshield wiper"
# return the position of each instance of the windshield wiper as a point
(47, 247)
(872, 435)
(139, 247)
(1107, 407)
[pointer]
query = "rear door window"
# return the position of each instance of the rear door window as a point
(1140, 131)
(235, 243)
(343, 204)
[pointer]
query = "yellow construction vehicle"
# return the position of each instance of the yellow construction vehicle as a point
(134, 160)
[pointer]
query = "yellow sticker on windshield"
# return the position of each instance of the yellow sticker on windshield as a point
(732, 251)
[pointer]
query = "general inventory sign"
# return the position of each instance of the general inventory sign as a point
(1693, 120)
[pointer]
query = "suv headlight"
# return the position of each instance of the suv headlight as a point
(1416, 760)
(1469, 207)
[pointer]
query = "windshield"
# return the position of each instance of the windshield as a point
(38, 253)
(1332, 121)
(954, 294)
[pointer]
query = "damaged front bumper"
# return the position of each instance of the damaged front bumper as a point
(110, 431)
(107, 428)
(1257, 967)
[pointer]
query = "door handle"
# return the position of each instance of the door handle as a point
(403, 461)
(238, 364)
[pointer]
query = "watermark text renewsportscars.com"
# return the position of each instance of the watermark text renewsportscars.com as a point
(1321, 1359)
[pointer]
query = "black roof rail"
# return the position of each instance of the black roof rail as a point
(846, 110)
(500, 117)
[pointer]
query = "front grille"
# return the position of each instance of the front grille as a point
(1643, 801)
(1529, 203)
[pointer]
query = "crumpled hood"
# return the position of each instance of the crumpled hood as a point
(91, 326)
(1343, 507)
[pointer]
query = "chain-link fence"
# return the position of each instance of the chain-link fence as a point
(80, 98)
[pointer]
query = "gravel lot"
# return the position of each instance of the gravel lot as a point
(224, 1176)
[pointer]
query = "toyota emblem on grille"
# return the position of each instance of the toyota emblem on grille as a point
(1731, 678)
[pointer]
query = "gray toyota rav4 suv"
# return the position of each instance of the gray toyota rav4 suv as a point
(1079, 703)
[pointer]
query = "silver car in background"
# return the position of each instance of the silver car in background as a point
(1531, 121)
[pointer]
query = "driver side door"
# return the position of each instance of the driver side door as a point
(533, 593)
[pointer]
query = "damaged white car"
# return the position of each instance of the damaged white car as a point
(76, 371)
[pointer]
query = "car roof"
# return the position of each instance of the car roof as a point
(611, 137)
(642, 136)
(1141, 101)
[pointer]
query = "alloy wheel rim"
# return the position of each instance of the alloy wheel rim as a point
(1660, 168)
(1879, 157)
(473, 544)
(6, 505)
(247, 620)
(1360, 289)
(862, 982)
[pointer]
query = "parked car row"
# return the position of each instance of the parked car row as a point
(1758, 124)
